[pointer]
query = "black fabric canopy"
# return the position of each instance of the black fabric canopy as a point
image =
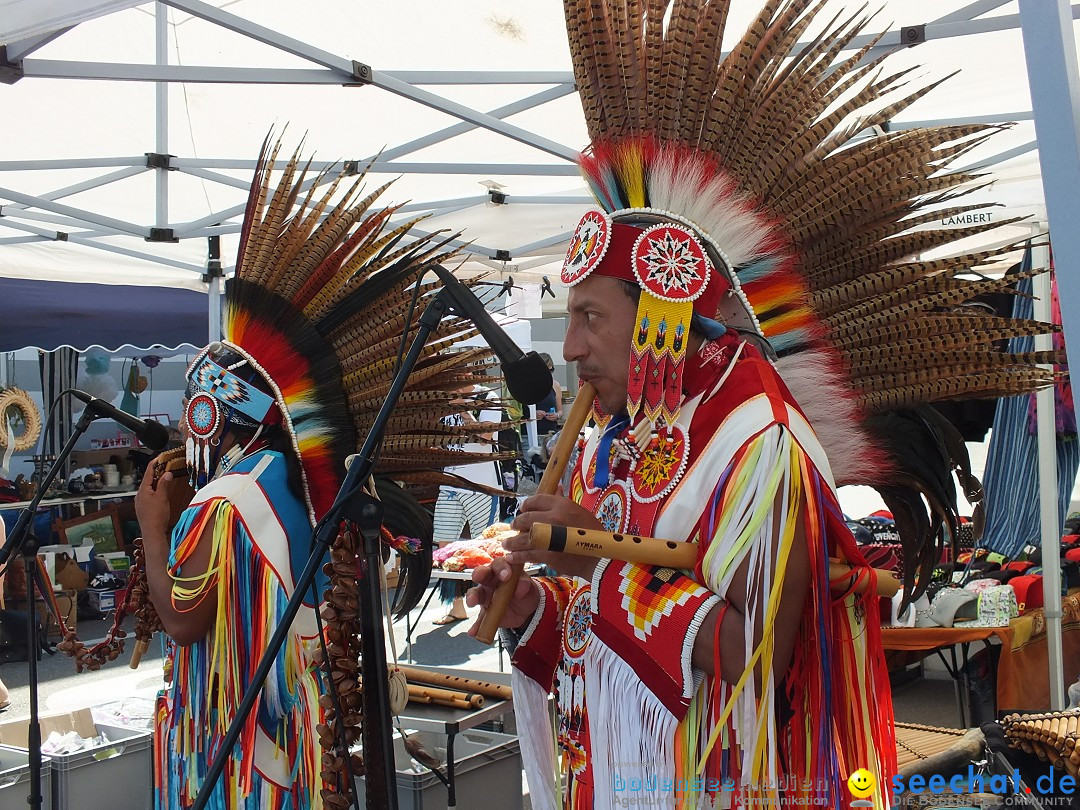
(50, 314)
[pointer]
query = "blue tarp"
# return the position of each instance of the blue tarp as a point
(50, 314)
(1011, 480)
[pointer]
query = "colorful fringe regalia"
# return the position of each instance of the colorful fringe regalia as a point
(636, 721)
(259, 540)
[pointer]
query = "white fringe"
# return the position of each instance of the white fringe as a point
(538, 614)
(631, 733)
(827, 401)
(537, 739)
(757, 709)
(761, 560)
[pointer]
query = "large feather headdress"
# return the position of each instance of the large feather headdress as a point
(813, 236)
(325, 287)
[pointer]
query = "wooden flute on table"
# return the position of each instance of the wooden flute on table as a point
(549, 483)
(423, 693)
(448, 680)
(674, 554)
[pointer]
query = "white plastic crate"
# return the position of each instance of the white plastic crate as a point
(487, 773)
(135, 713)
(119, 772)
(15, 778)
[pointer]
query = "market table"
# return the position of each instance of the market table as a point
(939, 639)
(1021, 674)
(78, 501)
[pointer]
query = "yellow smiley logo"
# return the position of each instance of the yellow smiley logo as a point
(861, 783)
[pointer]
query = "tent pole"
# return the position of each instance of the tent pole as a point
(161, 111)
(1048, 490)
(215, 309)
(1050, 52)
(213, 277)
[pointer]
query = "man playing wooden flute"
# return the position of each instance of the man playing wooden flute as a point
(738, 255)
(735, 467)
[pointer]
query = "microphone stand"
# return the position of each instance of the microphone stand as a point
(21, 540)
(380, 771)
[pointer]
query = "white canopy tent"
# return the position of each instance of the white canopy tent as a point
(163, 108)
(113, 114)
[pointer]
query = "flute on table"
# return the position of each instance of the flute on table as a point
(549, 483)
(448, 680)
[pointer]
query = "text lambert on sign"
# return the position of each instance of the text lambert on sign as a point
(968, 219)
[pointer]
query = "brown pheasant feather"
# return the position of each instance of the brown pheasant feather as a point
(319, 258)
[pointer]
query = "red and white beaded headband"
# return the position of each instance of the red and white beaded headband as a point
(661, 252)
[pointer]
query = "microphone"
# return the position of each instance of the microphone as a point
(153, 434)
(527, 375)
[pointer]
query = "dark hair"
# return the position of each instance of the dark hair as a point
(633, 292)
(280, 441)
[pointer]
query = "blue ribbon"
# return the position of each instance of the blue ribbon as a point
(603, 452)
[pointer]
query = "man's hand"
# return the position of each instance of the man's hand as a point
(152, 504)
(487, 578)
(557, 510)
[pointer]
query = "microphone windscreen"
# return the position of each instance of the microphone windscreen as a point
(155, 436)
(528, 379)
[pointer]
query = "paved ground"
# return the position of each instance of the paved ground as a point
(61, 689)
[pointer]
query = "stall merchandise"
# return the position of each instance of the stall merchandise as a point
(1021, 682)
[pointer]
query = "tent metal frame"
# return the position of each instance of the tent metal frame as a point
(1050, 50)
(28, 213)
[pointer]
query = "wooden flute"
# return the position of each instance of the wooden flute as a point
(448, 680)
(549, 483)
(674, 554)
(424, 693)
